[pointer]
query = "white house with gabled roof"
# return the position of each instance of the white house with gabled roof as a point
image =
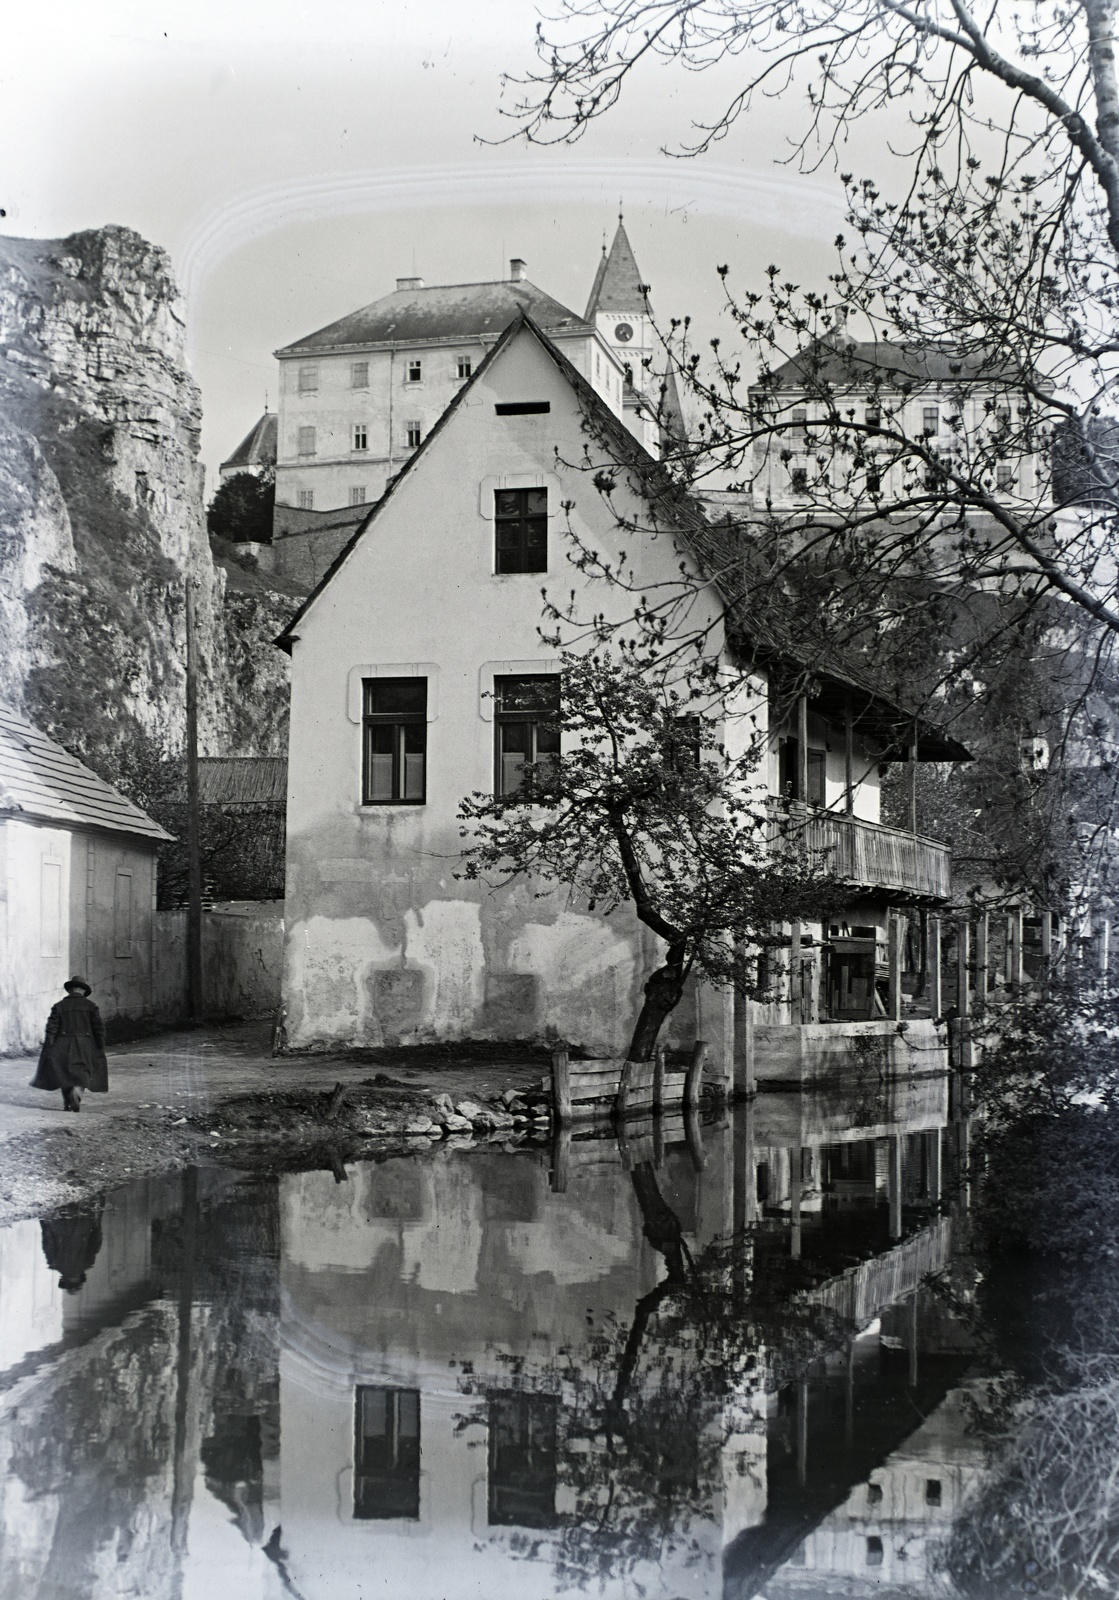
(420, 675)
(77, 887)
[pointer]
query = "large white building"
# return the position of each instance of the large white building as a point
(401, 658)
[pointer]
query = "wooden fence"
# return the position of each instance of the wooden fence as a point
(585, 1090)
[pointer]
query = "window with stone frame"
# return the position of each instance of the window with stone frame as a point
(360, 437)
(526, 727)
(394, 742)
(306, 499)
(305, 442)
(359, 374)
(521, 1475)
(520, 530)
(414, 432)
(308, 380)
(464, 366)
(414, 371)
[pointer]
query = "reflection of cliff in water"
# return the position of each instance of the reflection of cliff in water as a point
(702, 1366)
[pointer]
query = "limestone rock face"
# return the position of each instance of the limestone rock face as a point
(101, 514)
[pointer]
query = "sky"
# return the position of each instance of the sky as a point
(294, 159)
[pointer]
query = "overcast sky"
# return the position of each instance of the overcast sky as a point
(295, 158)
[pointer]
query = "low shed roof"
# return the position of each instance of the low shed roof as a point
(43, 782)
(242, 780)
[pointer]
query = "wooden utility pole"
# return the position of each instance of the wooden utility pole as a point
(913, 781)
(194, 842)
(849, 758)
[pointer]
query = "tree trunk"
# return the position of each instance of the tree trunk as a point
(663, 992)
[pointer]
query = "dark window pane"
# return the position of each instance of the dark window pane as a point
(547, 739)
(817, 770)
(384, 696)
(508, 502)
(387, 1454)
(522, 1460)
(379, 742)
(536, 502)
(538, 693)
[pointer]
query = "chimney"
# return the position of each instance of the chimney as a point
(409, 283)
(518, 270)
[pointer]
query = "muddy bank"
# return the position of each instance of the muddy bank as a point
(211, 1099)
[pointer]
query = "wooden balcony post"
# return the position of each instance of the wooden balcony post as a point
(893, 1186)
(936, 992)
(982, 958)
(896, 930)
(1046, 939)
(913, 781)
(936, 1180)
(1014, 969)
(1103, 945)
(849, 758)
(963, 957)
(796, 1182)
(802, 749)
(795, 982)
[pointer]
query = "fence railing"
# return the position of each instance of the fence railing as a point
(870, 854)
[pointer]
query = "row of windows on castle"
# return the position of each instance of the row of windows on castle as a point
(413, 370)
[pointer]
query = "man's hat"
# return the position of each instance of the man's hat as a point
(73, 984)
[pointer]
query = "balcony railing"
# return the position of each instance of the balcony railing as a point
(873, 856)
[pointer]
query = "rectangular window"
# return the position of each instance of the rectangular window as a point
(520, 530)
(873, 417)
(817, 769)
(122, 915)
(394, 766)
(359, 374)
(523, 408)
(526, 724)
(308, 380)
(387, 1454)
(799, 420)
(1005, 475)
(360, 436)
(798, 477)
(357, 495)
(521, 1476)
(464, 366)
(932, 1491)
(50, 910)
(306, 499)
(930, 421)
(684, 744)
(306, 442)
(788, 767)
(414, 434)
(415, 371)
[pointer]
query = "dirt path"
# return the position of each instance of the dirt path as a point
(217, 1093)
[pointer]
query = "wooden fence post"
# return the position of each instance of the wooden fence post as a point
(658, 1079)
(693, 1082)
(936, 993)
(561, 1087)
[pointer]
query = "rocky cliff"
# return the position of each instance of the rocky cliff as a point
(101, 515)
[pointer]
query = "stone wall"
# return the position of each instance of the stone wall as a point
(242, 957)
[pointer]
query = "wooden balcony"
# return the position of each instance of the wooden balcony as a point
(873, 856)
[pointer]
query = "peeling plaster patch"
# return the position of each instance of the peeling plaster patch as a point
(327, 962)
(588, 974)
(446, 938)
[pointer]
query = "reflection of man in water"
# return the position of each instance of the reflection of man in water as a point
(70, 1244)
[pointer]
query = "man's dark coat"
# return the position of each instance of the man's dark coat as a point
(73, 1053)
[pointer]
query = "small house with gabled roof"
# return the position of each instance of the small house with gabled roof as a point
(78, 869)
(417, 663)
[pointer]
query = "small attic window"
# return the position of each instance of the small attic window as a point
(523, 408)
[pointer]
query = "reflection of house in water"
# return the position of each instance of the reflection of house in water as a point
(472, 1363)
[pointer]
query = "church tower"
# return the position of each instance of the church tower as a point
(619, 308)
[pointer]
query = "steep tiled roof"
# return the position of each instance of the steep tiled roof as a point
(40, 780)
(242, 780)
(617, 285)
(445, 311)
(257, 448)
(722, 552)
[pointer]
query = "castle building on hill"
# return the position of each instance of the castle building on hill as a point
(358, 397)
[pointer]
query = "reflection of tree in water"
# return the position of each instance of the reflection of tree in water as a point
(649, 1405)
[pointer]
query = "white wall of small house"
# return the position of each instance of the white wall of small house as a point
(386, 406)
(831, 737)
(73, 901)
(382, 940)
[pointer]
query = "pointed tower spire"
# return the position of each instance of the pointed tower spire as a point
(617, 283)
